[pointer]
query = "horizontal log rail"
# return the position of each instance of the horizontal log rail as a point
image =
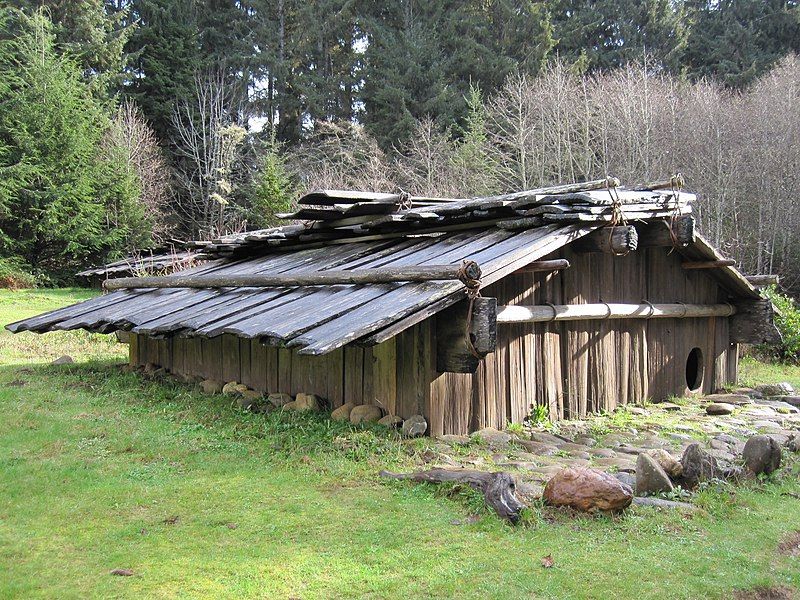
(539, 266)
(763, 280)
(597, 312)
(468, 273)
(709, 264)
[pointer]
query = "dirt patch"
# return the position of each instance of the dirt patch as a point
(779, 592)
(790, 544)
(17, 383)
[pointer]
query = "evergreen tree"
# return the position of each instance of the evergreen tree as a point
(94, 32)
(605, 34)
(422, 58)
(65, 201)
(738, 40)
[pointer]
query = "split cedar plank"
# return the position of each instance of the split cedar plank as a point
(178, 355)
(258, 366)
(309, 375)
(45, 319)
(530, 355)
(299, 320)
(194, 356)
(231, 361)
(117, 312)
(666, 370)
(384, 371)
(576, 336)
(606, 352)
(135, 313)
(212, 358)
(525, 248)
(277, 319)
(368, 378)
(285, 358)
(733, 363)
(245, 364)
(554, 361)
(133, 350)
(222, 320)
(273, 383)
(334, 370)
(175, 319)
(517, 390)
(353, 374)
(630, 281)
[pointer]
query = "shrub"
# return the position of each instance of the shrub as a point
(14, 274)
(787, 319)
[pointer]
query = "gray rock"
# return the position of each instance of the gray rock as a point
(279, 400)
(492, 437)
(784, 388)
(211, 386)
(303, 402)
(539, 448)
(245, 403)
(735, 399)
(602, 452)
(627, 478)
(651, 479)
(546, 438)
(661, 503)
(343, 412)
(391, 421)
(780, 406)
(698, 465)
(793, 443)
(720, 408)
(414, 426)
(366, 413)
(671, 465)
(63, 360)
(670, 406)
(233, 388)
(638, 410)
(454, 439)
(762, 454)
(767, 426)
(791, 400)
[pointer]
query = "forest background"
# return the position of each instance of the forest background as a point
(125, 124)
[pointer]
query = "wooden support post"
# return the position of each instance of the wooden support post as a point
(709, 264)
(753, 323)
(469, 270)
(615, 240)
(545, 266)
(453, 353)
(763, 280)
(597, 312)
(670, 232)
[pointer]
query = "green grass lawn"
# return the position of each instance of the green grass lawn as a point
(101, 469)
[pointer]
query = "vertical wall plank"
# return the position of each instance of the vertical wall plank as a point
(384, 371)
(231, 361)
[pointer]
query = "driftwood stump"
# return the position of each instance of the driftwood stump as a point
(499, 489)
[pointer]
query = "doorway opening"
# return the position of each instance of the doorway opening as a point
(694, 370)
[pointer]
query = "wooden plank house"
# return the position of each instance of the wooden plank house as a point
(578, 298)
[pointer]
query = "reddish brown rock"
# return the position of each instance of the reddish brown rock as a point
(587, 490)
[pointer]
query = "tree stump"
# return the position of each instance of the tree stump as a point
(499, 489)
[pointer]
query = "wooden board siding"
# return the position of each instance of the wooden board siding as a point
(574, 368)
(571, 368)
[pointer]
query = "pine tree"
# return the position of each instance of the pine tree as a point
(94, 32)
(65, 201)
(736, 41)
(605, 34)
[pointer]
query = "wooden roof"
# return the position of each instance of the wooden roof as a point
(502, 234)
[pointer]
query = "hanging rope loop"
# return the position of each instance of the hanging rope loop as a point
(470, 275)
(676, 186)
(617, 214)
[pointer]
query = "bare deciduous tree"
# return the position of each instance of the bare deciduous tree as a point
(208, 141)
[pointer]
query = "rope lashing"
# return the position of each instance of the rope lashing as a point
(404, 203)
(676, 186)
(470, 275)
(617, 214)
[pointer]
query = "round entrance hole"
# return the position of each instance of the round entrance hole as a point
(694, 370)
